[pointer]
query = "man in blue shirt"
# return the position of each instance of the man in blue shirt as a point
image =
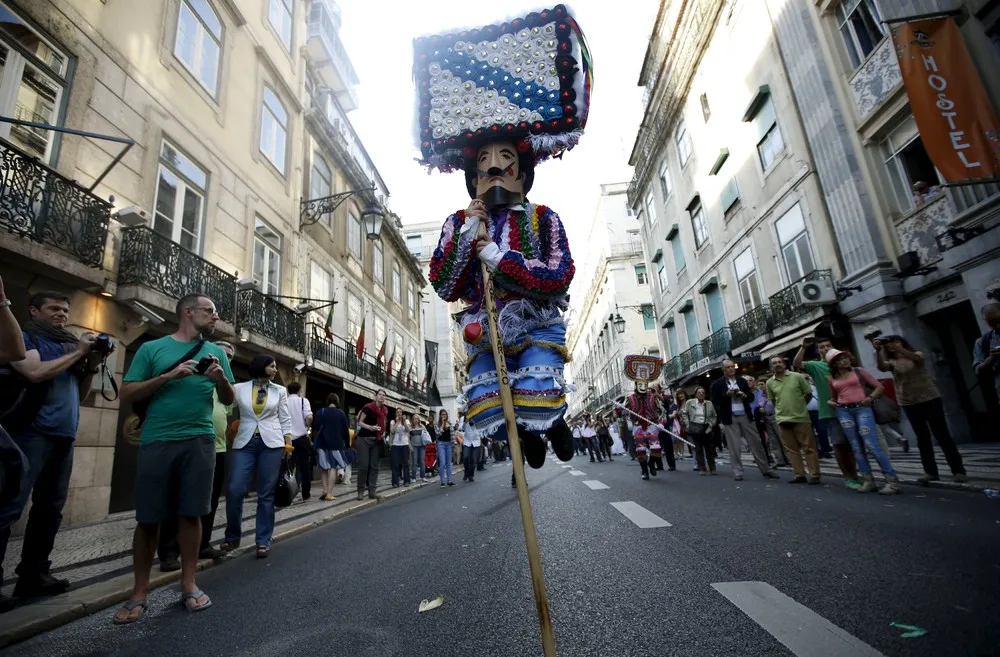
(59, 367)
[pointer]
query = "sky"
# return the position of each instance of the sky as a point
(378, 36)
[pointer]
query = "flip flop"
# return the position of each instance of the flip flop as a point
(130, 606)
(194, 595)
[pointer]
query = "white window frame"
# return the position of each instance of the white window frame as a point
(748, 278)
(282, 11)
(641, 277)
(193, 62)
(185, 185)
(795, 239)
(650, 203)
(379, 329)
(321, 286)
(397, 283)
(845, 25)
(273, 121)
(354, 241)
(699, 224)
(683, 140)
(411, 300)
(661, 276)
(897, 141)
(378, 263)
(666, 184)
(271, 251)
(321, 182)
(355, 315)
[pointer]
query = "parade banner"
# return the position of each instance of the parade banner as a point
(957, 124)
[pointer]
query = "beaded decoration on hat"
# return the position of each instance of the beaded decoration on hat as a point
(527, 80)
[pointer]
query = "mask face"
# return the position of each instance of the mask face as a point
(641, 386)
(497, 167)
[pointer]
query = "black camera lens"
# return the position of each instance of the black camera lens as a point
(102, 344)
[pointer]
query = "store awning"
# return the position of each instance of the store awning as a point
(786, 342)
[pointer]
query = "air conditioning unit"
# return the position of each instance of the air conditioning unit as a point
(816, 293)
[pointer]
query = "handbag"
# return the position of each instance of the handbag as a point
(886, 409)
(425, 438)
(287, 487)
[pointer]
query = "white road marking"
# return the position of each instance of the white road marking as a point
(577, 473)
(566, 466)
(798, 628)
(642, 517)
(593, 484)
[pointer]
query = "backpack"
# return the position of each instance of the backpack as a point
(20, 400)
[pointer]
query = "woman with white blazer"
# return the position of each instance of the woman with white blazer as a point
(263, 438)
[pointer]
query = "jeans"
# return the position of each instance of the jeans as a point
(859, 425)
(368, 461)
(50, 462)
(303, 464)
(267, 462)
(444, 462)
(822, 440)
(417, 462)
(400, 464)
(927, 417)
(593, 448)
(469, 460)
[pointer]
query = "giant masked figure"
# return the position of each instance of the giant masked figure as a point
(646, 404)
(493, 102)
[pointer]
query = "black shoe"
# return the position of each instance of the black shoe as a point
(211, 553)
(6, 604)
(451, 483)
(561, 439)
(797, 480)
(39, 585)
(534, 448)
(170, 564)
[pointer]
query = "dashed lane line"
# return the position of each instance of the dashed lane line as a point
(642, 517)
(593, 484)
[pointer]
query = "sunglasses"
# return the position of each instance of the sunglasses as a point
(262, 395)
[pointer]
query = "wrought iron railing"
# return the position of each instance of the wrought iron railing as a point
(690, 357)
(269, 317)
(750, 326)
(717, 344)
(786, 305)
(44, 206)
(672, 370)
(158, 262)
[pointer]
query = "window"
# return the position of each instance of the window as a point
(861, 28)
(320, 287)
(661, 276)
(415, 244)
(746, 277)
(666, 185)
(683, 140)
(640, 275)
(199, 41)
(678, 251)
(706, 111)
(354, 317)
(648, 317)
(397, 283)
(378, 265)
(691, 324)
(397, 350)
(907, 162)
(650, 208)
(699, 223)
(31, 84)
(354, 233)
(411, 300)
(672, 341)
(412, 360)
(379, 335)
(794, 241)
(769, 140)
(266, 258)
(279, 13)
(321, 183)
(180, 198)
(729, 198)
(716, 309)
(273, 129)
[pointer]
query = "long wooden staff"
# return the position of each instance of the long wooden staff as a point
(524, 502)
(647, 420)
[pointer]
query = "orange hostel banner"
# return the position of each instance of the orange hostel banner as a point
(957, 123)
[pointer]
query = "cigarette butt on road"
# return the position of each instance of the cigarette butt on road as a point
(426, 605)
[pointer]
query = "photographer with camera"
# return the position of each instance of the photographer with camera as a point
(175, 377)
(55, 376)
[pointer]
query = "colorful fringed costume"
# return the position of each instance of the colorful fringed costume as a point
(493, 102)
(645, 405)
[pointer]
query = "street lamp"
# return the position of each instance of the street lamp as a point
(311, 210)
(373, 215)
(619, 323)
(646, 310)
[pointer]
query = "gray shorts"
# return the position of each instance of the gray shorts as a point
(174, 478)
(834, 432)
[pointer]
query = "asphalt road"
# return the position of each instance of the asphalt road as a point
(927, 559)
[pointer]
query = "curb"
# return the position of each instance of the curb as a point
(47, 614)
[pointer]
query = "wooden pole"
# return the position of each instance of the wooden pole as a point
(524, 502)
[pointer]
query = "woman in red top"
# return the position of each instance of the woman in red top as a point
(854, 410)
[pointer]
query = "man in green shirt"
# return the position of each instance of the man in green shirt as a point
(790, 393)
(828, 422)
(178, 375)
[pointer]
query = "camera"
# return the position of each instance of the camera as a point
(872, 334)
(102, 345)
(204, 364)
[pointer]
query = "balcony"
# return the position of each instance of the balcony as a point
(328, 119)
(716, 345)
(875, 80)
(269, 317)
(918, 229)
(327, 51)
(40, 204)
(750, 326)
(340, 354)
(690, 358)
(786, 305)
(159, 263)
(672, 370)
(606, 398)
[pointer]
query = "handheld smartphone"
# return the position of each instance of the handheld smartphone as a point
(204, 364)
